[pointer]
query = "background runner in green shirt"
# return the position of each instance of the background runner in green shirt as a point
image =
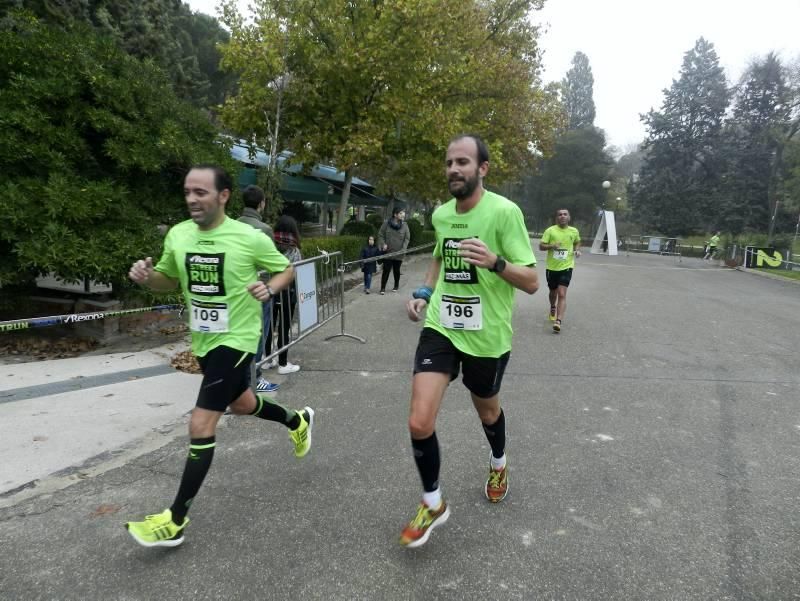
(562, 243)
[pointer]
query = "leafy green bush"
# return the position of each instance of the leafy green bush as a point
(359, 228)
(349, 245)
(425, 237)
(93, 148)
(376, 220)
(415, 228)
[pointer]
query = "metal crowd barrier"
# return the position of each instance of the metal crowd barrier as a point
(657, 245)
(315, 297)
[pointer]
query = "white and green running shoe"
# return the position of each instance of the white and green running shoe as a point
(157, 530)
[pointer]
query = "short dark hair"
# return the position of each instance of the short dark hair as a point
(222, 180)
(397, 210)
(483, 150)
(252, 196)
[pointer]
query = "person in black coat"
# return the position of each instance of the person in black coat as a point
(368, 252)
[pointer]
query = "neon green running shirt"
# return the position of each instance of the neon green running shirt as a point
(566, 237)
(214, 268)
(471, 305)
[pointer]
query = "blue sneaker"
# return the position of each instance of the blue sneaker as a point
(266, 386)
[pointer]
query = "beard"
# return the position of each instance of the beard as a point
(463, 188)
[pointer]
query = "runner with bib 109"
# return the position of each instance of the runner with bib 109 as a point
(482, 255)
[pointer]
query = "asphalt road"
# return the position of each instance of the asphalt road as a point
(653, 451)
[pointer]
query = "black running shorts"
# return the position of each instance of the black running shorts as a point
(226, 375)
(482, 375)
(558, 278)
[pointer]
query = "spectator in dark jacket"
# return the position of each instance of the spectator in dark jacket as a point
(369, 252)
(393, 236)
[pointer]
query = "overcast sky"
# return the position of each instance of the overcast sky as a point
(636, 47)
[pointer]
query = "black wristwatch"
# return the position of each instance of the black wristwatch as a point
(499, 265)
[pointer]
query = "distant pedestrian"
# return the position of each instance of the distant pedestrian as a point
(254, 204)
(711, 246)
(370, 251)
(393, 236)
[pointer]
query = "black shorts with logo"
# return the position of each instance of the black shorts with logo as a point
(226, 375)
(558, 278)
(482, 375)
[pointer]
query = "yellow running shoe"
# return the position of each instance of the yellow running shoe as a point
(301, 437)
(552, 315)
(497, 484)
(157, 530)
(418, 530)
(557, 326)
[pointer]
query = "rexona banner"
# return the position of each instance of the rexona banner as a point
(766, 258)
(306, 277)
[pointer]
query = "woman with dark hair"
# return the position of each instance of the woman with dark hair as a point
(287, 239)
(393, 237)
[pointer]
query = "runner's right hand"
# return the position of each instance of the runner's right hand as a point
(141, 270)
(414, 307)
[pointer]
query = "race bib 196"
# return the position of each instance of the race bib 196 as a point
(461, 312)
(209, 317)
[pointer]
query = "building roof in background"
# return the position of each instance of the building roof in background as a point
(241, 151)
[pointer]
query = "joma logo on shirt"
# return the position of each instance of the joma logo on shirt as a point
(206, 274)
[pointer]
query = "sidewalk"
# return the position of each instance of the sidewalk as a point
(653, 454)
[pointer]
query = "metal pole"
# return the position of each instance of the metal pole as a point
(772, 223)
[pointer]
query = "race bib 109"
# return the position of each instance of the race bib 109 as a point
(208, 317)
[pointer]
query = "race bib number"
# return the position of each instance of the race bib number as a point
(208, 317)
(560, 254)
(461, 312)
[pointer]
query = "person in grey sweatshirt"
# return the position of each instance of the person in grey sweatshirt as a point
(393, 236)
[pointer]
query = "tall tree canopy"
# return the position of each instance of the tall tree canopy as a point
(93, 147)
(679, 185)
(578, 93)
(383, 85)
(181, 43)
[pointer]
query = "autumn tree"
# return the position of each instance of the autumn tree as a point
(384, 85)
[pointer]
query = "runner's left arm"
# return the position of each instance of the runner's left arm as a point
(270, 258)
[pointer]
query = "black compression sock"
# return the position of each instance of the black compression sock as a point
(496, 435)
(201, 452)
(266, 409)
(426, 455)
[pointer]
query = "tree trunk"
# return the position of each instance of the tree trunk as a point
(348, 179)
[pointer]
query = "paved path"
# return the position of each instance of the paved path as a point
(654, 449)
